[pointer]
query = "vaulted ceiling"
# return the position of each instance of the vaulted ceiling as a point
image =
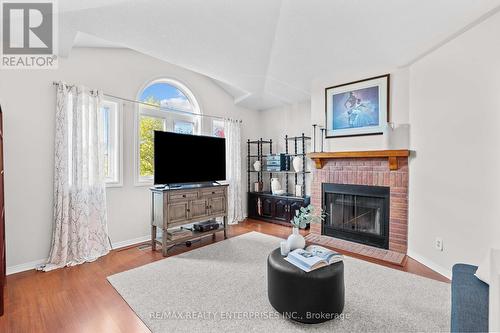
(267, 52)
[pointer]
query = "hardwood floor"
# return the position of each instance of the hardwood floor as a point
(80, 299)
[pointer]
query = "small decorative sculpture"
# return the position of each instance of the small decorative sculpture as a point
(257, 165)
(275, 186)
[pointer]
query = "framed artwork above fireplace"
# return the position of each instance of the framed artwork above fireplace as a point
(357, 108)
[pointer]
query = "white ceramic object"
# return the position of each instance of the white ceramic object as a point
(298, 164)
(299, 190)
(275, 185)
(284, 248)
(295, 240)
(257, 166)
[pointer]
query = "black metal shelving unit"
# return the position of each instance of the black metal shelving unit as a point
(260, 156)
(264, 205)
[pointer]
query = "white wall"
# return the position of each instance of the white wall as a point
(454, 179)
(28, 103)
(292, 120)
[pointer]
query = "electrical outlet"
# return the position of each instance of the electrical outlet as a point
(438, 244)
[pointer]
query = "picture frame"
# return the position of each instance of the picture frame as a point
(357, 108)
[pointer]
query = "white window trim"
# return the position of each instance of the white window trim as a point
(143, 110)
(117, 120)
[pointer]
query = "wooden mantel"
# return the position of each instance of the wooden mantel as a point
(392, 155)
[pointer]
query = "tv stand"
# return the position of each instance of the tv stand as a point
(190, 185)
(175, 207)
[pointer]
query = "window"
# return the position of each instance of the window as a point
(169, 106)
(183, 127)
(111, 116)
(218, 128)
(146, 144)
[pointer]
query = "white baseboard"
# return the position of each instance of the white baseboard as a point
(429, 263)
(125, 243)
(26, 266)
(34, 264)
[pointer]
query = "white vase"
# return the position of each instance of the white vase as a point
(275, 185)
(295, 240)
(298, 164)
(257, 166)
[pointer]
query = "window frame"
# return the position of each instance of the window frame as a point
(169, 118)
(116, 138)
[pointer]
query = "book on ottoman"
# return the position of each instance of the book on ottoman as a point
(313, 257)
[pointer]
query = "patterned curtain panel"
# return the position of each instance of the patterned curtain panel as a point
(80, 226)
(232, 132)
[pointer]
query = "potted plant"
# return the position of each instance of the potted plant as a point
(303, 217)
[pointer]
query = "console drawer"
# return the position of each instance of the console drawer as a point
(210, 192)
(181, 195)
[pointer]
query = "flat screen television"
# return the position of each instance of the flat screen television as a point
(184, 158)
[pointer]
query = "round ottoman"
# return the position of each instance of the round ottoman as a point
(310, 298)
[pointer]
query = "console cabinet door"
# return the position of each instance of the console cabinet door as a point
(252, 205)
(178, 212)
(281, 209)
(267, 207)
(294, 206)
(217, 205)
(198, 208)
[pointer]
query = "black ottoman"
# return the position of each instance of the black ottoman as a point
(310, 298)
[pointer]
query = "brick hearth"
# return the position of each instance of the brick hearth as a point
(368, 171)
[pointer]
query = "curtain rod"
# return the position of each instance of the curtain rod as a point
(55, 83)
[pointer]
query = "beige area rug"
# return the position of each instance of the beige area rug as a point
(223, 288)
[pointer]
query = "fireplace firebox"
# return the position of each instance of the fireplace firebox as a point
(357, 213)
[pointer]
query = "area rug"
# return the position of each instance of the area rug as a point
(223, 288)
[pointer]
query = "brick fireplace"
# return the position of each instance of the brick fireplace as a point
(378, 168)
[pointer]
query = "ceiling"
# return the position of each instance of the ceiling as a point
(266, 53)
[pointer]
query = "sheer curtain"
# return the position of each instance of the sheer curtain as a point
(232, 132)
(80, 224)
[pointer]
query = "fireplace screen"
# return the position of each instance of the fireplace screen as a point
(357, 213)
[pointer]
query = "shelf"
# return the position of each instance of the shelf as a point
(194, 235)
(258, 141)
(292, 172)
(287, 195)
(266, 155)
(298, 138)
(392, 155)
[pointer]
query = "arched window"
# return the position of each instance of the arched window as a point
(168, 107)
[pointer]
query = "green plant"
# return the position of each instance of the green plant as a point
(306, 215)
